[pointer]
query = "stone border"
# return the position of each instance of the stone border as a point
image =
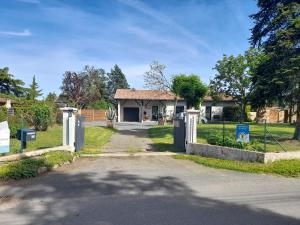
(221, 152)
(18, 156)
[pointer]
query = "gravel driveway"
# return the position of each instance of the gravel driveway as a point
(150, 191)
(130, 137)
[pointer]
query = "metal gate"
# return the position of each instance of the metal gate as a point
(179, 133)
(79, 133)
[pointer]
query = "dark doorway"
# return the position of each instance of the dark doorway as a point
(154, 112)
(131, 114)
(208, 112)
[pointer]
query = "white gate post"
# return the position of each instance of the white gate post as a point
(191, 127)
(69, 120)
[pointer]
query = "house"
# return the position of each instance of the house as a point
(145, 105)
(213, 110)
(6, 102)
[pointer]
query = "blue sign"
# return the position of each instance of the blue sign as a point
(242, 133)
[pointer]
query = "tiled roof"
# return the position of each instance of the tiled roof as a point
(155, 95)
(144, 94)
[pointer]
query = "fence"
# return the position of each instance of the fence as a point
(263, 137)
(94, 114)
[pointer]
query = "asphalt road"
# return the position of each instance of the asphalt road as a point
(150, 191)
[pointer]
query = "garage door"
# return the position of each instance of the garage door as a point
(131, 114)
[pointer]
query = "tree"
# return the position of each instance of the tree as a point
(33, 90)
(116, 80)
(51, 97)
(234, 78)
(9, 85)
(73, 88)
(190, 88)
(156, 79)
(84, 88)
(277, 32)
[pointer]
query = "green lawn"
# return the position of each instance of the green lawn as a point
(288, 168)
(282, 132)
(95, 138)
(162, 136)
(44, 139)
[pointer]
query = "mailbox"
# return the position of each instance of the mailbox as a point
(25, 135)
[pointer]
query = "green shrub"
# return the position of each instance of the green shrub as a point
(41, 116)
(102, 104)
(28, 167)
(21, 169)
(3, 114)
(217, 139)
(15, 123)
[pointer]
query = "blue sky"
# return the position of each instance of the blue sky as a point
(48, 37)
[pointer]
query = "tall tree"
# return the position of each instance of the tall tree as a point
(156, 78)
(116, 80)
(277, 32)
(33, 91)
(73, 88)
(234, 78)
(9, 85)
(51, 97)
(190, 88)
(85, 87)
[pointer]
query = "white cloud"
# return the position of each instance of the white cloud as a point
(24, 33)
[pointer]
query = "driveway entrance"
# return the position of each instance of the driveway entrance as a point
(130, 138)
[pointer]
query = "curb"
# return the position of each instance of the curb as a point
(111, 155)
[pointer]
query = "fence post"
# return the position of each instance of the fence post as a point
(191, 128)
(265, 135)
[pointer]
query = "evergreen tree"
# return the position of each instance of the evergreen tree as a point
(277, 32)
(9, 85)
(33, 90)
(116, 80)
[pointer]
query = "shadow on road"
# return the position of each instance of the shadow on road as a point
(125, 199)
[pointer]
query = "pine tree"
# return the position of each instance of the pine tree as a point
(116, 80)
(34, 92)
(9, 85)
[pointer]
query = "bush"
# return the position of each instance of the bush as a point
(27, 168)
(3, 114)
(102, 104)
(41, 116)
(15, 123)
(217, 139)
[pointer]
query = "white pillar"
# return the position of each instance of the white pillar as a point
(191, 127)
(69, 120)
(119, 111)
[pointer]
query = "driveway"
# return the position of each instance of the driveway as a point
(150, 190)
(130, 137)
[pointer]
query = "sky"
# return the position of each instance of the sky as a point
(48, 37)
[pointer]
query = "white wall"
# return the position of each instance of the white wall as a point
(169, 105)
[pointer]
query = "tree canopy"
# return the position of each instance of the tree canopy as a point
(115, 80)
(189, 87)
(9, 85)
(234, 78)
(33, 92)
(277, 32)
(156, 78)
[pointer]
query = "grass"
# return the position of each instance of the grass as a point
(287, 168)
(282, 132)
(95, 138)
(28, 167)
(44, 139)
(162, 136)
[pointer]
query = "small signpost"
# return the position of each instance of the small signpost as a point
(242, 133)
(4, 137)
